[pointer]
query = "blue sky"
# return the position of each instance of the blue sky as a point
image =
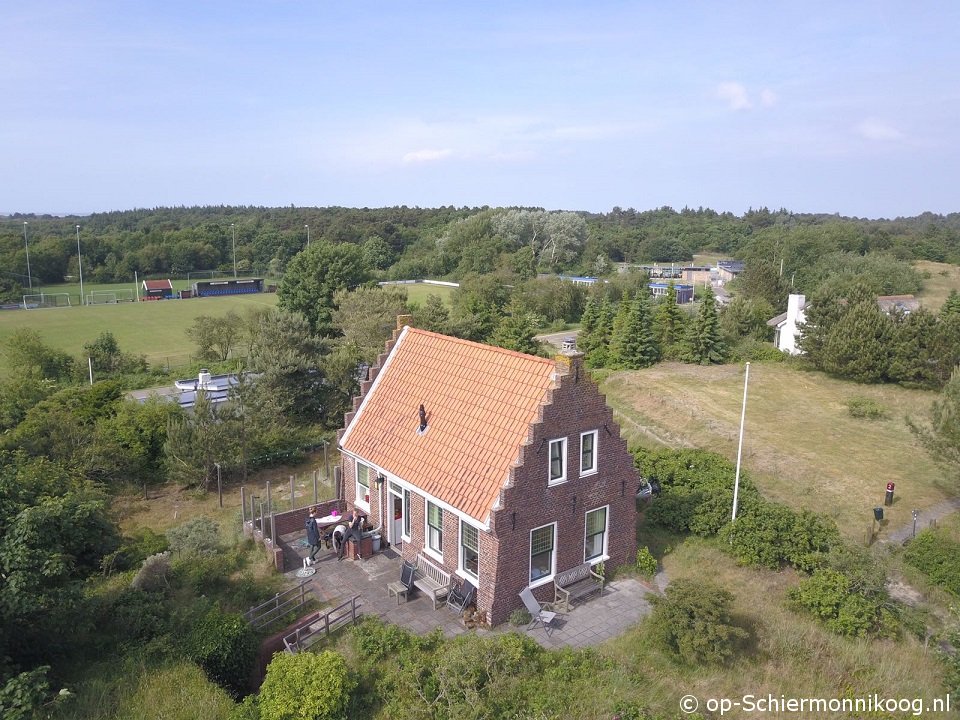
(848, 107)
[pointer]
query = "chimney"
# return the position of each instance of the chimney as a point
(403, 320)
(204, 379)
(569, 359)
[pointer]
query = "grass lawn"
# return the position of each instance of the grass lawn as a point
(154, 329)
(801, 446)
(943, 278)
(418, 293)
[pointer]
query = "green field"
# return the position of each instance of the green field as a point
(153, 329)
(801, 445)
(417, 294)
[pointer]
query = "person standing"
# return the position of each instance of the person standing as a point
(313, 536)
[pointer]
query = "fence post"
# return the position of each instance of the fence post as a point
(316, 498)
(337, 482)
(243, 506)
(273, 529)
(263, 531)
(292, 505)
(269, 498)
(253, 510)
(326, 462)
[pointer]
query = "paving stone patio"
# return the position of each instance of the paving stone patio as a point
(624, 602)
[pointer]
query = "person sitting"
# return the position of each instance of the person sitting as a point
(354, 532)
(313, 536)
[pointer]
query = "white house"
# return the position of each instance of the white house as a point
(788, 325)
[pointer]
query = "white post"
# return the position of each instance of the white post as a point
(307, 228)
(234, 229)
(27, 248)
(743, 415)
(80, 263)
(136, 285)
(90, 368)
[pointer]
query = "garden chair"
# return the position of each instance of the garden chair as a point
(537, 610)
(460, 597)
(405, 584)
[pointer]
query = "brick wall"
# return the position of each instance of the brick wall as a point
(576, 406)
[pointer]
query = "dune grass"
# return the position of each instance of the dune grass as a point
(943, 278)
(801, 445)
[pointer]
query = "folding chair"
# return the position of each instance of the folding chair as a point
(460, 597)
(405, 584)
(537, 611)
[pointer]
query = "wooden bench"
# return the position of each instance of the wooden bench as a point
(432, 580)
(574, 583)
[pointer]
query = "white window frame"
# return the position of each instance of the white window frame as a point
(563, 461)
(553, 557)
(407, 529)
(596, 439)
(358, 487)
(427, 527)
(462, 568)
(606, 535)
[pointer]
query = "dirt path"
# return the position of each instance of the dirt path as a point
(924, 519)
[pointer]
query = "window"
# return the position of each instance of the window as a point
(595, 534)
(406, 514)
(434, 527)
(558, 460)
(469, 549)
(541, 552)
(363, 485)
(588, 452)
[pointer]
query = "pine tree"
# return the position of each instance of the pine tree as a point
(618, 335)
(858, 346)
(668, 324)
(636, 346)
(588, 325)
(600, 338)
(515, 331)
(704, 341)
(952, 305)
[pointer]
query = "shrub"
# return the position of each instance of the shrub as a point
(225, 648)
(770, 534)
(520, 616)
(692, 622)
(152, 575)
(307, 686)
(198, 536)
(136, 616)
(866, 408)
(938, 557)
(646, 562)
(843, 607)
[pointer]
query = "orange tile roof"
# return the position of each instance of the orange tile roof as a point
(480, 401)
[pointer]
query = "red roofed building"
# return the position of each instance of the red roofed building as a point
(513, 472)
(157, 289)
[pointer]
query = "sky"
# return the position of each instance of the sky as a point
(835, 107)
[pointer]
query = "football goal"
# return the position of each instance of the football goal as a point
(46, 300)
(109, 297)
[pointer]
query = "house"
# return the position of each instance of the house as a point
(500, 468)
(788, 325)
(216, 388)
(684, 291)
(157, 289)
(728, 270)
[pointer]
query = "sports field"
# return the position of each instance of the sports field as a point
(153, 329)
(801, 445)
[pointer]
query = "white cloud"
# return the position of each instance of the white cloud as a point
(427, 155)
(768, 98)
(873, 129)
(735, 95)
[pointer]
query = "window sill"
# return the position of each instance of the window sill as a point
(588, 473)
(431, 553)
(461, 573)
(365, 506)
(599, 559)
(559, 481)
(541, 582)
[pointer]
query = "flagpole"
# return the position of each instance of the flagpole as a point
(743, 415)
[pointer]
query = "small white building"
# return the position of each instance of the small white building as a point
(788, 325)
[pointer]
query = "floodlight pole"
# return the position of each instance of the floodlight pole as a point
(26, 247)
(234, 229)
(307, 228)
(743, 415)
(80, 264)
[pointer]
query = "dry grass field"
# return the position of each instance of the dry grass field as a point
(801, 445)
(943, 278)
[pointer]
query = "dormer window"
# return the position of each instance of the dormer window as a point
(423, 420)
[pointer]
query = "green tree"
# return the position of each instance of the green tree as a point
(366, 317)
(704, 343)
(433, 315)
(634, 346)
(107, 358)
(941, 437)
(216, 337)
(669, 323)
(598, 342)
(27, 353)
(478, 306)
(618, 334)
(306, 686)
(761, 280)
(516, 329)
(747, 318)
(314, 276)
(127, 447)
(195, 443)
(858, 347)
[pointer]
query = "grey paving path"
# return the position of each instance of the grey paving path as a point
(624, 602)
(926, 517)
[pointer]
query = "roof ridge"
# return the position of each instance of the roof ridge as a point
(484, 346)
